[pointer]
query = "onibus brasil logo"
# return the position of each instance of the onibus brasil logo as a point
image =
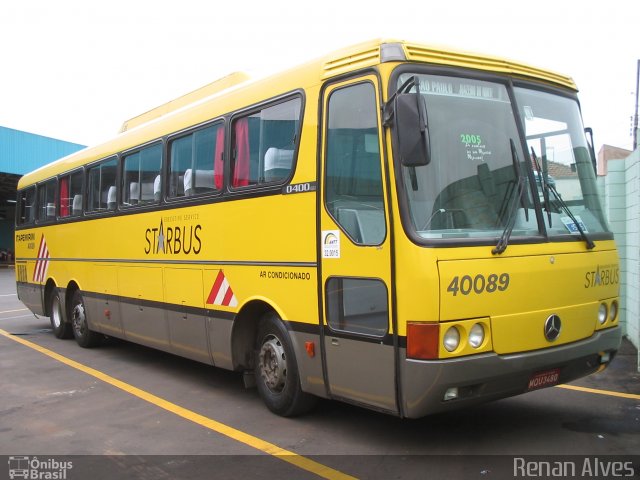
(38, 469)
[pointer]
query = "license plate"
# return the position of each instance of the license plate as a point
(544, 379)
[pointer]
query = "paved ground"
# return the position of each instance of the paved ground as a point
(174, 418)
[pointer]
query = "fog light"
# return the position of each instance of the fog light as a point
(476, 335)
(602, 313)
(605, 357)
(451, 339)
(613, 311)
(451, 394)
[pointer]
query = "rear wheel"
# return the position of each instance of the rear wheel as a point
(60, 327)
(86, 338)
(276, 371)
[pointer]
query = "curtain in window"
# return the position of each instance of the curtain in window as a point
(241, 167)
(64, 197)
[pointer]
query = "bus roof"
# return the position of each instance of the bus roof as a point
(216, 86)
(236, 91)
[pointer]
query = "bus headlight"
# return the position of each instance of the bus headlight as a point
(451, 339)
(602, 313)
(476, 335)
(613, 311)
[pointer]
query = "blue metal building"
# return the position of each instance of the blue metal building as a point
(21, 152)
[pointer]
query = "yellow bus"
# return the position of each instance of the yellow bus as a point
(405, 228)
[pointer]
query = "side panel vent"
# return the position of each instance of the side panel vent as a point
(469, 60)
(340, 65)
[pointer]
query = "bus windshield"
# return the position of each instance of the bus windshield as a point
(561, 161)
(479, 180)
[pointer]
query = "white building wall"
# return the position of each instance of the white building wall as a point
(621, 200)
(614, 203)
(632, 172)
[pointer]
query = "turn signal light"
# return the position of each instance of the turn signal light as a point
(613, 311)
(423, 340)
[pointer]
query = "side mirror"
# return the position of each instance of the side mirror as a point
(412, 129)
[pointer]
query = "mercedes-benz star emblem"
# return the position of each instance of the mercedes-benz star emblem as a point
(552, 327)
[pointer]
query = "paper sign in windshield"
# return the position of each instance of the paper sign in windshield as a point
(475, 146)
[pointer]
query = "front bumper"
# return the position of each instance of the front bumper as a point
(490, 376)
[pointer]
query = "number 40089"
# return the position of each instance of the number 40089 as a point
(479, 284)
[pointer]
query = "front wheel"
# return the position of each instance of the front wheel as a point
(276, 370)
(84, 337)
(61, 328)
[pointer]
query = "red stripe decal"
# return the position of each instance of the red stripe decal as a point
(42, 244)
(227, 297)
(216, 287)
(37, 272)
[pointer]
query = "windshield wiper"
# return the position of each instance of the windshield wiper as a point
(548, 187)
(516, 200)
(543, 175)
(567, 210)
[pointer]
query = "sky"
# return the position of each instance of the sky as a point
(76, 70)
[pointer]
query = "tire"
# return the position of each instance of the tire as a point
(276, 370)
(61, 328)
(85, 337)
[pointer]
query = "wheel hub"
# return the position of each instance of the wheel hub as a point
(273, 364)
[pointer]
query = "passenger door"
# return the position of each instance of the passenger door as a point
(355, 248)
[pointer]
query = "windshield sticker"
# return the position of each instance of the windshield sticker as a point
(476, 148)
(331, 244)
(571, 226)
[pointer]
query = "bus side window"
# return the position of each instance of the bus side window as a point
(264, 144)
(141, 169)
(71, 195)
(357, 305)
(101, 190)
(47, 201)
(26, 206)
(196, 162)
